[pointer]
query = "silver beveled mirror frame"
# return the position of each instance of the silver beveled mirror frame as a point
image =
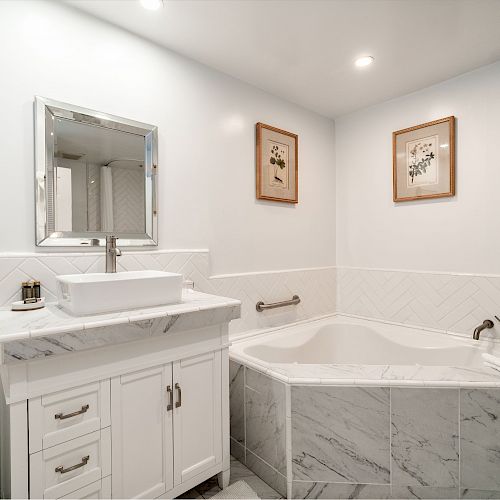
(46, 110)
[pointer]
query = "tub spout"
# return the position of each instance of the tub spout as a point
(487, 323)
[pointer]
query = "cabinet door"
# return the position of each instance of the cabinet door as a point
(197, 415)
(142, 447)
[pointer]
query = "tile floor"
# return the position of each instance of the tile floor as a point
(238, 471)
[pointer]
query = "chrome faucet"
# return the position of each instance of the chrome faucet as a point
(111, 254)
(487, 323)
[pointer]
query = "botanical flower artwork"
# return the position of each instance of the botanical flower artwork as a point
(278, 160)
(422, 161)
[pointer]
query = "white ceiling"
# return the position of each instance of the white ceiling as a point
(303, 50)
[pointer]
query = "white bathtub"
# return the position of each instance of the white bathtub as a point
(346, 350)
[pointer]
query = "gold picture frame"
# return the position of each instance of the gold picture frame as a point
(423, 161)
(276, 164)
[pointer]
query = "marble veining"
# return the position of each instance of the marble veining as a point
(15, 325)
(424, 425)
(476, 494)
(424, 492)
(271, 476)
(379, 375)
(236, 398)
(307, 489)
(340, 434)
(265, 419)
(480, 439)
(58, 337)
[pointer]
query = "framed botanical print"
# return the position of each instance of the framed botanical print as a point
(277, 164)
(424, 161)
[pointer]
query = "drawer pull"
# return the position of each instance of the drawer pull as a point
(61, 416)
(178, 403)
(170, 393)
(62, 470)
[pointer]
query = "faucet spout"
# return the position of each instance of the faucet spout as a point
(112, 252)
(487, 323)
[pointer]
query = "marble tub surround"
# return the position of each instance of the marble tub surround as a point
(264, 419)
(425, 437)
(480, 450)
(306, 489)
(352, 441)
(258, 408)
(50, 331)
(340, 434)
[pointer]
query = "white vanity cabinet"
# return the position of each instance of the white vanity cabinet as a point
(138, 419)
(167, 425)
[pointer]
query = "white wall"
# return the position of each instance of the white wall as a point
(459, 234)
(206, 139)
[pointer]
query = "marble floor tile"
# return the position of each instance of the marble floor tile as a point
(424, 492)
(340, 434)
(236, 401)
(239, 472)
(265, 419)
(306, 489)
(480, 438)
(424, 437)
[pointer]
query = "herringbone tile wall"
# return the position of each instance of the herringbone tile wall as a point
(452, 302)
(444, 301)
(316, 287)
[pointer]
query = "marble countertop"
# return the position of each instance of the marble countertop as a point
(52, 320)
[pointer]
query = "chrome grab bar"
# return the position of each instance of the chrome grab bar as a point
(260, 306)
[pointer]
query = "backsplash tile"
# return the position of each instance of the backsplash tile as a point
(443, 301)
(451, 302)
(316, 287)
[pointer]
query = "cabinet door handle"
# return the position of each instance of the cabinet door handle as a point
(170, 393)
(61, 416)
(62, 470)
(178, 403)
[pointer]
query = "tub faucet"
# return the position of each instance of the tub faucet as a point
(111, 254)
(487, 323)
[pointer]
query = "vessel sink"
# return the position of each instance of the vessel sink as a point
(93, 293)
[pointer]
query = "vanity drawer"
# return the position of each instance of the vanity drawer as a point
(64, 415)
(67, 467)
(98, 490)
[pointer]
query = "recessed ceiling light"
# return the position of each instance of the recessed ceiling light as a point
(152, 4)
(364, 61)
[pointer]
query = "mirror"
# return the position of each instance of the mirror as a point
(95, 176)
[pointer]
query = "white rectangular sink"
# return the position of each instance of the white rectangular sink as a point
(93, 293)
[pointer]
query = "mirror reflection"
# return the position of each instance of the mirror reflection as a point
(99, 179)
(95, 177)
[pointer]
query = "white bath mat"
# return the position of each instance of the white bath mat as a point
(239, 489)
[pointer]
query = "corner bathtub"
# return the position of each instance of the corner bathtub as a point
(345, 349)
(349, 408)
